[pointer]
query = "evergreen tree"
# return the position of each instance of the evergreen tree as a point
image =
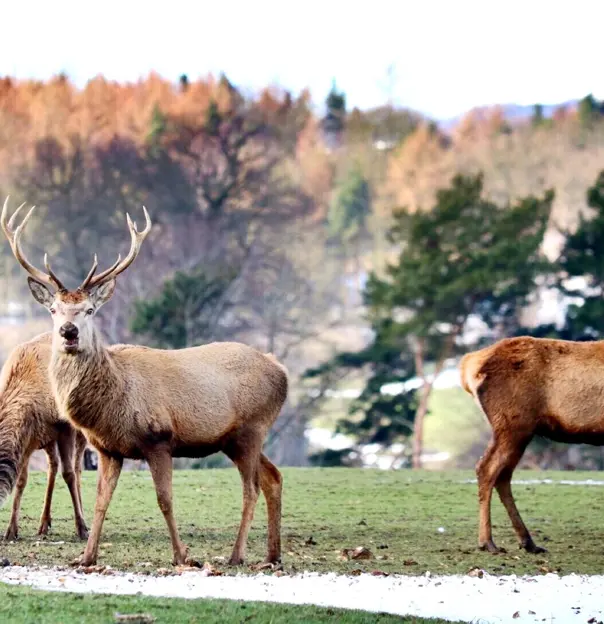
(466, 257)
(334, 121)
(589, 110)
(213, 118)
(157, 129)
(537, 117)
(348, 214)
(583, 257)
(185, 313)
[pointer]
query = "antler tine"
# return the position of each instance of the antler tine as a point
(137, 239)
(97, 278)
(14, 239)
(51, 273)
(95, 264)
(11, 221)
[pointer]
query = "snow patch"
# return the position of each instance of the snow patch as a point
(488, 600)
(547, 482)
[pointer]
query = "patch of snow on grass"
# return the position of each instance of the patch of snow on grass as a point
(488, 600)
(547, 482)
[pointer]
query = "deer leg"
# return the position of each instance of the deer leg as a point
(271, 485)
(160, 465)
(487, 473)
(246, 458)
(109, 472)
(80, 448)
(53, 466)
(12, 531)
(504, 489)
(67, 450)
(499, 457)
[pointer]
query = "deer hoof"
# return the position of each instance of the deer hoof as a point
(82, 532)
(492, 548)
(532, 548)
(83, 561)
(11, 535)
(44, 528)
(180, 557)
(235, 561)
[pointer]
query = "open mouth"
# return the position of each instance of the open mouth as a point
(71, 345)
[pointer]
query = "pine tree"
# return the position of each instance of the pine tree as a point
(466, 257)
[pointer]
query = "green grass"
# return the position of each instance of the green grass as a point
(20, 605)
(394, 514)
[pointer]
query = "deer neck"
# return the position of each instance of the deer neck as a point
(84, 383)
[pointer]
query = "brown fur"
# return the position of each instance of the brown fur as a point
(525, 387)
(29, 421)
(136, 402)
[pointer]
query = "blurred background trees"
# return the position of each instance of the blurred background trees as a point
(366, 249)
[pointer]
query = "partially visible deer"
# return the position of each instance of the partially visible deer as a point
(29, 421)
(525, 387)
(136, 402)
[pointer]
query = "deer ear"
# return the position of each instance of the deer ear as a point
(103, 293)
(41, 294)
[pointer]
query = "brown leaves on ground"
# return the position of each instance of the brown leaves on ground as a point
(94, 569)
(207, 569)
(347, 554)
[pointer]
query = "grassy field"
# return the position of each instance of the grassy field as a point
(20, 605)
(396, 515)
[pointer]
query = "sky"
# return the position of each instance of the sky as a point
(447, 55)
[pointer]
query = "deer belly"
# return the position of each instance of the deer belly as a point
(109, 447)
(196, 451)
(200, 431)
(577, 427)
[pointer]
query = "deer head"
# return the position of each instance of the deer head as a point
(72, 310)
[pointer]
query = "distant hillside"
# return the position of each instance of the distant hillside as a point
(511, 111)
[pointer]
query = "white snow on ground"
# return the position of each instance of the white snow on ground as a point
(490, 599)
(548, 482)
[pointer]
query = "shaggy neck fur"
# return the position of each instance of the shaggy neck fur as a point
(85, 383)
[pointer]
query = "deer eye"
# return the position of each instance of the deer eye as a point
(90, 311)
(53, 310)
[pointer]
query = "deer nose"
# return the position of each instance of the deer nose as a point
(69, 331)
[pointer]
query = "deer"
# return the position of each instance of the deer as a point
(29, 421)
(529, 386)
(138, 402)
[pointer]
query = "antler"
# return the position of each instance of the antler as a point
(14, 238)
(120, 265)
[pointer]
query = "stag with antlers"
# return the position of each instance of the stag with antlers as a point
(142, 403)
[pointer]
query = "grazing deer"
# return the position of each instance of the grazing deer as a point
(141, 403)
(29, 421)
(525, 387)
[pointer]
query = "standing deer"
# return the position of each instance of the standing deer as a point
(29, 421)
(141, 403)
(525, 387)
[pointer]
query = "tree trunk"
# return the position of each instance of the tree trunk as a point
(418, 428)
(422, 409)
